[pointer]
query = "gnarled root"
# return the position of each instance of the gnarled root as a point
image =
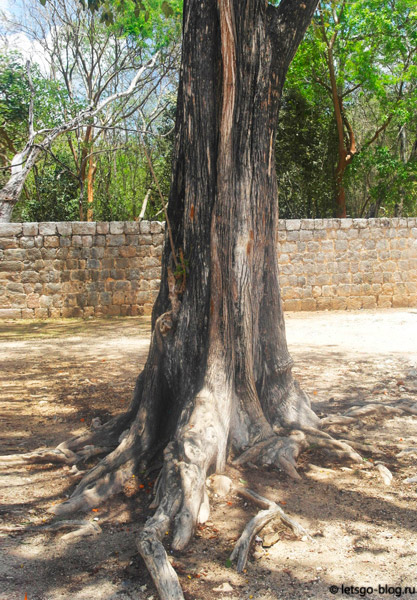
(375, 409)
(284, 451)
(269, 511)
(279, 451)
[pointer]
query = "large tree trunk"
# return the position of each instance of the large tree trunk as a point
(218, 377)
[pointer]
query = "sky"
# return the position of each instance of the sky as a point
(19, 41)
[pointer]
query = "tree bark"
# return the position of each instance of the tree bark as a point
(218, 377)
(92, 168)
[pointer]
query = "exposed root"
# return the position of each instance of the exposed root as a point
(89, 494)
(337, 448)
(385, 473)
(84, 528)
(284, 451)
(375, 409)
(336, 420)
(269, 511)
(279, 451)
(149, 539)
(58, 456)
(407, 452)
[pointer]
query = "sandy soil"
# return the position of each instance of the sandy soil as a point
(57, 376)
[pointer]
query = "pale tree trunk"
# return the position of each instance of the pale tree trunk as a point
(23, 162)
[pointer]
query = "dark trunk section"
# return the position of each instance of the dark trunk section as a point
(229, 332)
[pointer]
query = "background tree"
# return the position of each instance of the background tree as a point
(357, 68)
(93, 58)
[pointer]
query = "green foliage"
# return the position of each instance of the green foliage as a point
(374, 57)
(305, 145)
(374, 49)
(52, 191)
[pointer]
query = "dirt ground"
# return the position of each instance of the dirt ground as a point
(56, 376)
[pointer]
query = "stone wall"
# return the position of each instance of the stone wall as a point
(99, 269)
(342, 264)
(79, 269)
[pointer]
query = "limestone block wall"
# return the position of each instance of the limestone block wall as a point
(79, 269)
(342, 264)
(99, 269)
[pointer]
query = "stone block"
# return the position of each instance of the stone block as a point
(11, 229)
(83, 228)
(354, 303)
(132, 227)
(292, 305)
(51, 241)
(145, 240)
(341, 245)
(132, 240)
(15, 287)
(293, 236)
(329, 290)
(307, 224)
(324, 303)
(27, 242)
(308, 304)
(145, 227)
(158, 239)
(102, 228)
(156, 227)
(127, 251)
(77, 241)
(401, 301)
(45, 301)
(339, 303)
(30, 229)
(313, 247)
(14, 254)
(384, 301)
(8, 242)
(306, 235)
(293, 224)
(341, 234)
(64, 229)
(87, 241)
(47, 228)
(346, 223)
(117, 227)
(10, 313)
(368, 302)
(115, 240)
(11, 265)
(360, 223)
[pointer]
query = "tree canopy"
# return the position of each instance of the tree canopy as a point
(347, 135)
